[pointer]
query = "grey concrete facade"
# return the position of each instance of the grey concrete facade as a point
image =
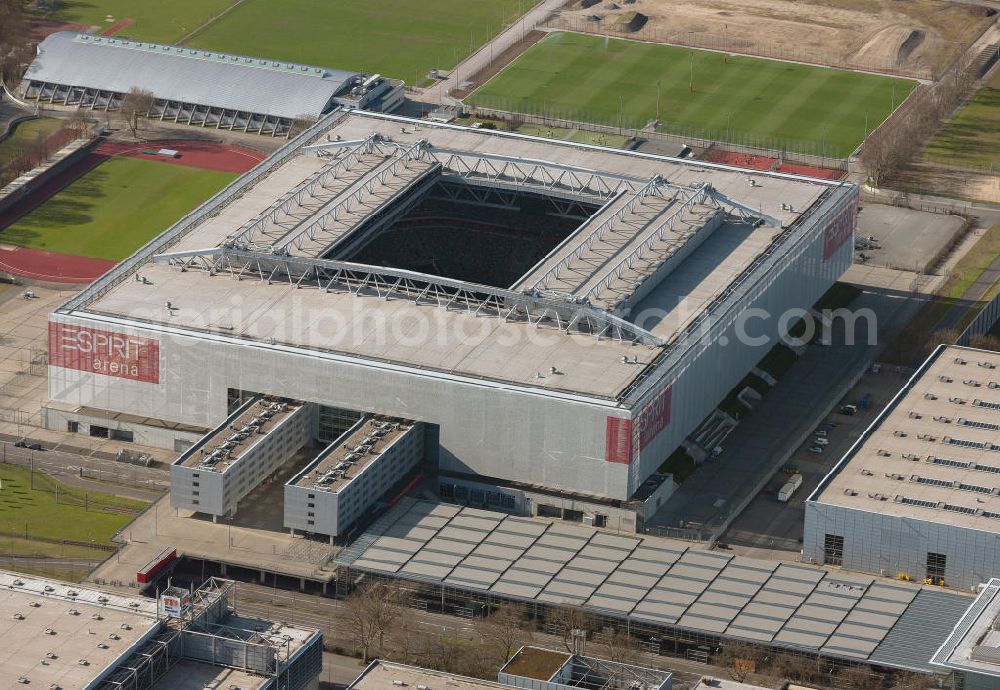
(889, 545)
(331, 511)
(217, 490)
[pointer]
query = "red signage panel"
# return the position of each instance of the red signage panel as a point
(618, 440)
(624, 437)
(840, 229)
(104, 352)
(653, 418)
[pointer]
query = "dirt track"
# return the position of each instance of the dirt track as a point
(917, 36)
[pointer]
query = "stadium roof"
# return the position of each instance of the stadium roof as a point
(277, 223)
(661, 582)
(178, 73)
(934, 452)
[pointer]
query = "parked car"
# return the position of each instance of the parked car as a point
(816, 449)
(821, 432)
(848, 410)
(820, 441)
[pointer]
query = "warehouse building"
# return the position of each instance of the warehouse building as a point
(69, 637)
(669, 596)
(197, 87)
(559, 317)
(917, 496)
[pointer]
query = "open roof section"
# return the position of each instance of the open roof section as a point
(660, 582)
(213, 238)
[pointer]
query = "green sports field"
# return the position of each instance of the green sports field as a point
(746, 100)
(40, 506)
(115, 208)
(165, 21)
(398, 39)
(972, 137)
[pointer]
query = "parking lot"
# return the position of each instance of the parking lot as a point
(903, 238)
(769, 528)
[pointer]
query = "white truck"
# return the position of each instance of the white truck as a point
(789, 488)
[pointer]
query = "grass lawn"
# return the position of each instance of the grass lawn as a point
(25, 133)
(972, 137)
(398, 39)
(155, 20)
(750, 100)
(115, 208)
(32, 505)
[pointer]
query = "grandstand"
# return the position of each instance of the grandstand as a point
(558, 316)
(196, 87)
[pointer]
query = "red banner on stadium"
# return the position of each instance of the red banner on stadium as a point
(625, 436)
(104, 352)
(618, 440)
(840, 229)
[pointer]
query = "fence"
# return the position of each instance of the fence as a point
(817, 154)
(772, 50)
(983, 323)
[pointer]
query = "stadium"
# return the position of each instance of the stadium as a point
(556, 318)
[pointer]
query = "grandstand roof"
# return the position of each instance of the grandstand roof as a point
(934, 452)
(282, 219)
(660, 582)
(189, 75)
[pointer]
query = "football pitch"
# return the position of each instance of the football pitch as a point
(115, 208)
(398, 39)
(700, 93)
(154, 20)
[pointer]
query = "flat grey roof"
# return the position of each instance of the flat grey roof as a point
(179, 73)
(934, 452)
(380, 675)
(653, 580)
(504, 350)
(225, 445)
(73, 623)
(195, 675)
(355, 450)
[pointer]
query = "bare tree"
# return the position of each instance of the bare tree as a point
(566, 618)
(910, 680)
(300, 123)
(137, 103)
(503, 631)
(370, 613)
(860, 678)
(985, 341)
(740, 659)
(942, 336)
(618, 646)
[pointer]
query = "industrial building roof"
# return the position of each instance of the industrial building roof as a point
(281, 218)
(934, 452)
(196, 675)
(227, 443)
(351, 453)
(974, 643)
(61, 635)
(179, 73)
(661, 582)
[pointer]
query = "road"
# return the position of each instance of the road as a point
(130, 481)
(482, 58)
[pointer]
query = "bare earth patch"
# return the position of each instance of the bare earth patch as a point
(917, 37)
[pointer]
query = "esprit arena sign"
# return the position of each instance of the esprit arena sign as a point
(104, 352)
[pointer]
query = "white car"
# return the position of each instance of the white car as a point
(820, 441)
(821, 432)
(816, 449)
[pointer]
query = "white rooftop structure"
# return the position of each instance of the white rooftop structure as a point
(934, 453)
(190, 75)
(973, 646)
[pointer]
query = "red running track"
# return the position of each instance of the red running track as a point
(751, 162)
(116, 27)
(37, 264)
